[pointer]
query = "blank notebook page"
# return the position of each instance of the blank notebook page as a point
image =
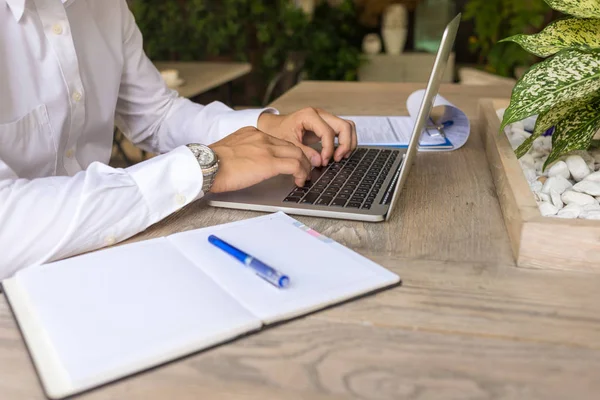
(321, 272)
(128, 308)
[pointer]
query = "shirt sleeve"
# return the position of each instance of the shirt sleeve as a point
(154, 117)
(56, 217)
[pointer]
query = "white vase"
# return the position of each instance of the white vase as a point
(394, 40)
(371, 44)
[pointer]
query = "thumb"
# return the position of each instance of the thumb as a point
(312, 155)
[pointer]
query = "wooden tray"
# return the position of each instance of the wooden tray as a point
(537, 241)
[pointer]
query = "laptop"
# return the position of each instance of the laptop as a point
(364, 187)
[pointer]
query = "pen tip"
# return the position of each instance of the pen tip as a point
(284, 281)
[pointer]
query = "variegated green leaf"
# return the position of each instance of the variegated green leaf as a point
(551, 117)
(576, 131)
(568, 76)
(578, 8)
(564, 33)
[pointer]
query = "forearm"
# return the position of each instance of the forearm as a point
(51, 218)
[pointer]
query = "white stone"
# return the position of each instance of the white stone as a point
(570, 211)
(547, 144)
(538, 145)
(578, 167)
(516, 139)
(500, 113)
(541, 197)
(595, 214)
(596, 155)
(571, 196)
(588, 187)
(527, 160)
(594, 177)
(556, 183)
(530, 174)
(517, 127)
(559, 169)
(547, 209)
(529, 123)
(587, 157)
(591, 207)
(556, 200)
(536, 186)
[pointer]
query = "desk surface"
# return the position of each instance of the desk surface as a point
(466, 324)
(200, 77)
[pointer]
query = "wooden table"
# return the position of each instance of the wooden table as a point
(466, 324)
(200, 77)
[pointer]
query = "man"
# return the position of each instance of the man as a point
(69, 70)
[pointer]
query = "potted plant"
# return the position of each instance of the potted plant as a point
(564, 89)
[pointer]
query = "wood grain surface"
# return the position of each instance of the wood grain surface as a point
(466, 323)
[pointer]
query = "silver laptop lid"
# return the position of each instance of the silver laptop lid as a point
(432, 89)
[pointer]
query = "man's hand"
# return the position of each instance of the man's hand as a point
(308, 126)
(249, 156)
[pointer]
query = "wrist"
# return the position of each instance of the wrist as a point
(268, 122)
(209, 164)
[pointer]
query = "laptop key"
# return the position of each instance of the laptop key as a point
(324, 200)
(366, 206)
(310, 198)
(353, 205)
(291, 199)
(339, 202)
(318, 190)
(344, 196)
(330, 192)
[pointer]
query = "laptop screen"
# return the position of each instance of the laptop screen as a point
(432, 89)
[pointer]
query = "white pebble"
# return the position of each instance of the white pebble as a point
(547, 144)
(578, 167)
(591, 207)
(527, 160)
(594, 177)
(529, 123)
(588, 187)
(517, 139)
(540, 197)
(536, 186)
(556, 200)
(559, 169)
(547, 209)
(517, 127)
(596, 155)
(500, 113)
(556, 183)
(590, 214)
(587, 157)
(570, 196)
(570, 211)
(530, 174)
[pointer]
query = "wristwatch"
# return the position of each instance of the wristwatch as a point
(209, 163)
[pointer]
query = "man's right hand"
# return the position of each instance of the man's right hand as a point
(249, 156)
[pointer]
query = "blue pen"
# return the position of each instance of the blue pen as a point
(261, 269)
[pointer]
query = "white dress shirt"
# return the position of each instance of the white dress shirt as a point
(68, 72)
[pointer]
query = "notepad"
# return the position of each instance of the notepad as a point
(396, 131)
(102, 316)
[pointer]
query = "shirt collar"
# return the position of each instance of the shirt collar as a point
(17, 7)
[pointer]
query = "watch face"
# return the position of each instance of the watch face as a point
(206, 157)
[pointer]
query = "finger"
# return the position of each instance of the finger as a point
(292, 152)
(310, 153)
(290, 166)
(344, 132)
(312, 121)
(354, 138)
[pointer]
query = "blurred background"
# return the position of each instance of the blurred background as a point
(246, 53)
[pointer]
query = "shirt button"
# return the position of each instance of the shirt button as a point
(57, 29)
(69, 153)
(180, 199)
(76, 96)
(110, 240)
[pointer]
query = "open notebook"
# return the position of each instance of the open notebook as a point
(396, 131)
(95, 318)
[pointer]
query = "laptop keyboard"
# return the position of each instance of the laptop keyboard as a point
(350, 183)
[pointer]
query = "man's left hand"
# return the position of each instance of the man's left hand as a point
(309, 126)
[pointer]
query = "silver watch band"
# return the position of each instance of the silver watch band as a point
(209, 177)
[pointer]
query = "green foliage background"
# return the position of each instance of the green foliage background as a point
(496, 19)
(262, 32)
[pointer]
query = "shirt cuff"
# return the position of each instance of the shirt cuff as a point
(236, 120)
(168, 182)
